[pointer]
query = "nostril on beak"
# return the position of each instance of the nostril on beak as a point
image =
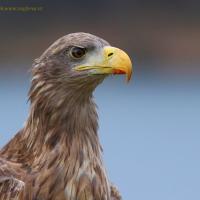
(110, 54)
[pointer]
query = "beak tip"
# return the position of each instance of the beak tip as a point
(128, 77)
(129, 73)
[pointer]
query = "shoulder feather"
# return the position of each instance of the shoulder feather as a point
(11, 187)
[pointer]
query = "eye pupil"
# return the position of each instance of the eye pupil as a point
(78, 52)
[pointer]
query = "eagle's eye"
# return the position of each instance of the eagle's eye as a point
(77, 52)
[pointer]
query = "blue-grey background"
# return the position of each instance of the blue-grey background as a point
(150, 128)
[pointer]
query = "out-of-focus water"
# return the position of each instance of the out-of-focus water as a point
(150, 131)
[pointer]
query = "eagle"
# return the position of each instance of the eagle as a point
(57, 154)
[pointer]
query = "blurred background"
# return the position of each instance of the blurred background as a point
(150, 128)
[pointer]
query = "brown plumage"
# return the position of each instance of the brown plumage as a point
(57, 154)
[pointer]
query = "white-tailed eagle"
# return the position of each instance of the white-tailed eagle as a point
(57, 154)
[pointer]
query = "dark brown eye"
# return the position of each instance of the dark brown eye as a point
(77, 52)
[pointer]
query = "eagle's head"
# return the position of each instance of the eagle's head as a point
(75, 64)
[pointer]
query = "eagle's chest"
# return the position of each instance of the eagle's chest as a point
(89, 182)
(74, 173)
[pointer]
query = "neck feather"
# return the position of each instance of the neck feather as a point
(59, 117)
(70, 119)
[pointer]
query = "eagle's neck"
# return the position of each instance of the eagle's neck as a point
(59, 117)
(66, 122)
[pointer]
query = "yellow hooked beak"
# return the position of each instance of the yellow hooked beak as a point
(111, 61)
